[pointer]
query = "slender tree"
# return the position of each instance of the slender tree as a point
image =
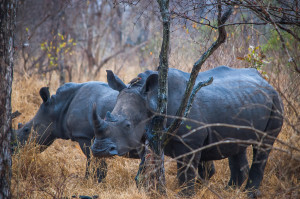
(151, 173)
(7, 29)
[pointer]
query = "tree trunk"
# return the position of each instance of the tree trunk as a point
(61, 56)
(152, 173)
(61, 64)
(7, 28)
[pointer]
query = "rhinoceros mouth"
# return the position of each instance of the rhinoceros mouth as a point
(104, 154)
(123, 154)
(104, 148)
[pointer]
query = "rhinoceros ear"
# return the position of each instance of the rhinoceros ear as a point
(150, 91)
(45, 94)
(114, 81)
(151, 84)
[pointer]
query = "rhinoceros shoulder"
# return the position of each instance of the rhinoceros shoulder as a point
(65, 91)
(68, 87)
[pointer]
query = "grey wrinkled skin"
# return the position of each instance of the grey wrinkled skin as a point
(68, 115)
(239, 106)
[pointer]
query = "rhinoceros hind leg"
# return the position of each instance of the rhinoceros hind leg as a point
(206, 170)
(239, 169)
(257, 171)
(261, 152)
(187, 171)
(186, 174)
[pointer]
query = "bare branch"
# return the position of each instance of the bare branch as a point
(196, 68)
(281, 39)
(194, 92)
(105, 60)
(235, 141)
(36, 27)
(271, 12)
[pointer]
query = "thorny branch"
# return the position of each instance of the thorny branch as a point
(268, 12)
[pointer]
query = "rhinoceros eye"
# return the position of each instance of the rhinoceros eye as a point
(127, 124)
(26, 130)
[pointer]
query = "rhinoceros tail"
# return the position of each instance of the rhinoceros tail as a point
(99, 124)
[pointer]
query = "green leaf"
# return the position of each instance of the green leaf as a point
(188, 127)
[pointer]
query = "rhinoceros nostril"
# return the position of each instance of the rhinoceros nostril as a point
(26, 130)
(112, 148)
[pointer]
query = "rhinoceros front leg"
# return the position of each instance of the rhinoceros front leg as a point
(101, 169)
(187, 172)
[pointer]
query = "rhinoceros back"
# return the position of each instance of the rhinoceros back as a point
(79, 115)
(72, 106)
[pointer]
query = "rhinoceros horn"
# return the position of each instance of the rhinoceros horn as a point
(99, 124)
(110, 117)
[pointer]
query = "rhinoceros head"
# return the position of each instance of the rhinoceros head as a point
(122, 129)
(41, 126)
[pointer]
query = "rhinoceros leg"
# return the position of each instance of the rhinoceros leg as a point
(101, 170)
(261, 152)
(206, 170)
(260, 157)
(187, 172)
(256, 172)
(239, 168)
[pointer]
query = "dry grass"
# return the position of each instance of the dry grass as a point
(59, 170)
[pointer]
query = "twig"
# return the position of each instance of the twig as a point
(105, 60)
(15, 114)
(281, 39)
(196, 68)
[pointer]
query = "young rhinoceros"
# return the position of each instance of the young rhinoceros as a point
(67, 115)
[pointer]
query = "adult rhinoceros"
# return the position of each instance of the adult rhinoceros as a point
(238, 109)
(67, 115)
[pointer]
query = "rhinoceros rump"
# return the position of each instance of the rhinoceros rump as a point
(238, 109)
